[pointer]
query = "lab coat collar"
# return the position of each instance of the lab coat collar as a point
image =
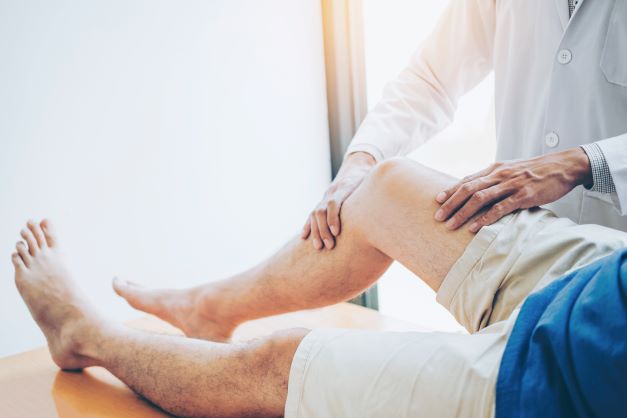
(562, 11)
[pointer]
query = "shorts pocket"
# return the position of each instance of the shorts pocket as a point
(614, 54)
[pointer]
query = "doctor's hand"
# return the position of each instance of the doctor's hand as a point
(324, 224)
(507, 186)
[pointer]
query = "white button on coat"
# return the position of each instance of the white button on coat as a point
(551, 140)
(522, 43)
(564, 56)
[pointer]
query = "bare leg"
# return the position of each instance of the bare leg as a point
(184, 376)
(390, 216)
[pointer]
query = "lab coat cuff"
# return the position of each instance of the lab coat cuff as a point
(615, 152)
(368, 148)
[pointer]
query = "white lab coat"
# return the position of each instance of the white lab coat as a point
(559, 83)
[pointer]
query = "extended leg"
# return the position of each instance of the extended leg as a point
(389, 217)
(190, 377)
(184, 376)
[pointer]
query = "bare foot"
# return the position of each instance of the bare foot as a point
(52, 297)
(196, 311)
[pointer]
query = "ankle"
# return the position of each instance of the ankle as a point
(88, 336)
(218, 301)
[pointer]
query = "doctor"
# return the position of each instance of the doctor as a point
(561, 112)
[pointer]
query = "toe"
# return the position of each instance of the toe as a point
(18, 263)
(22, 252)
(35, 229)
(49, 233)
(136, 296)
(33, 248)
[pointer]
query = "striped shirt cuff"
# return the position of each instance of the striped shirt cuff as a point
(601, 177)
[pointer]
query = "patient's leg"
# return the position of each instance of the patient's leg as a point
(389, 217)
(185, 376)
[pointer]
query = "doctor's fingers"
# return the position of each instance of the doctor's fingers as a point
(496, 212)
(461, 195)
(333, 220)
(323, 228)
(446, 194)
(315, 234)
(306, 229)
(333, 216)
(478, 201)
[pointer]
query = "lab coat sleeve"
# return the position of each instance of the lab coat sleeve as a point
(615, 152)
(422, 100)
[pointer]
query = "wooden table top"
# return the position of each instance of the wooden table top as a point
(32, 386)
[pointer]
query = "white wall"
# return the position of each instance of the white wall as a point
(171, 141)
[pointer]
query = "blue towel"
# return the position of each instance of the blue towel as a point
(567, 355)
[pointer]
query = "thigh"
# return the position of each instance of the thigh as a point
(522, 253)
(349, 373)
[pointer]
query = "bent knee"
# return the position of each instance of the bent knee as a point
(401, 173)
(388, 169)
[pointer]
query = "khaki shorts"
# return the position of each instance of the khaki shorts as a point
(350, 373)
